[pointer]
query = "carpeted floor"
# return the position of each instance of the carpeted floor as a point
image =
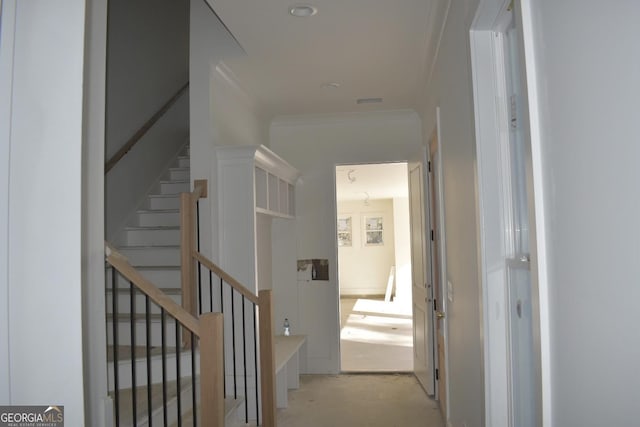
(376, 336)
(360, 400)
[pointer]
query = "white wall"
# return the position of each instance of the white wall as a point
(148, 48)
(220, 112)
(45, 195)
(402, 237)
(263, 251)
(148, 61)
(314, 146)
(588, 69)
(450, 88)
(364, 270)
(7, 29)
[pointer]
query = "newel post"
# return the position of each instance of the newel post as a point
(267, 360)
(211, 369)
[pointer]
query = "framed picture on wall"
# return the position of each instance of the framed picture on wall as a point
(345, 236)
(373, 230)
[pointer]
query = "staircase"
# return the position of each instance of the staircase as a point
(151, 244)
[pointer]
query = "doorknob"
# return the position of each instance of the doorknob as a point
(439, 314)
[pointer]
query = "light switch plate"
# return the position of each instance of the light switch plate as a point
(449, 291)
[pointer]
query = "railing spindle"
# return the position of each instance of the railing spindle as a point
(233, 344)
(163, 328)
(193, 379)
(132, 318)
(114, 324)
(255, 360)
(149, 379)
(199, 288)
(178, 387)
(244, 360)
(210, 291)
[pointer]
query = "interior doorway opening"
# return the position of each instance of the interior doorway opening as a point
(374, 267)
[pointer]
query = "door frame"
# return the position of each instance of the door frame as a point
(335, 222)
(492, 180)
(442, 250)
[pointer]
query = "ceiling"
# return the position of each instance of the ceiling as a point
(370, 48)
(372, 181)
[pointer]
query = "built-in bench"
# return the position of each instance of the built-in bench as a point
(288, 350)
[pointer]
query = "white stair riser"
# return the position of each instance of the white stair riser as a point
(179, 174)
(124, 302)
(162, 278)
(158, 219)
(124, 332)
(152, 256)
(163, 202)
(169, 187)
(124, 370)
(152, 236)
(184, 162)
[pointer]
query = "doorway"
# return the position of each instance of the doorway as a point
(507, 220)
(374, 267)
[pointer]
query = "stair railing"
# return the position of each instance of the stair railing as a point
(205, 332)
(248, 318)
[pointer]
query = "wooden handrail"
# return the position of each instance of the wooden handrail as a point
(120, 263)
(235, 284)
(143, 129)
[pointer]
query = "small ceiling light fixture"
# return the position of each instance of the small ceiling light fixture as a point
(302, 10)
(368, 100)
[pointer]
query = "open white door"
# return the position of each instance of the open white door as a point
(422, 289)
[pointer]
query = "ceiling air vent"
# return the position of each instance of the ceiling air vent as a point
(369, 101)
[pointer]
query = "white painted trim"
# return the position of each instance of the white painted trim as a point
(493, 218)
(7, 35)
(491, 227)
(97, 400)
(443, 258)
(535, 130)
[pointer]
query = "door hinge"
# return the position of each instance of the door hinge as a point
(429, 165)
(437, 374)
(432, 235)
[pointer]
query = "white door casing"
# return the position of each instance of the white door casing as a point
(507, 231)
(422, 288)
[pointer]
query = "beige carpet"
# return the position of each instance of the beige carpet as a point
(376, 336)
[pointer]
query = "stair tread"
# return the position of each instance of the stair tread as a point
(152, 227)
(230, 405)
(126, 410)
(175, 181)
(140, 352)
(174, 195)
(141, 247)
(168, 291)
(158, 211)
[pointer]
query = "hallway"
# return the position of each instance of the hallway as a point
(359, 400)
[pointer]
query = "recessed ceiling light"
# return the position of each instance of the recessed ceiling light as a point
(330, 85)
(302, 10)
(368, 100)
